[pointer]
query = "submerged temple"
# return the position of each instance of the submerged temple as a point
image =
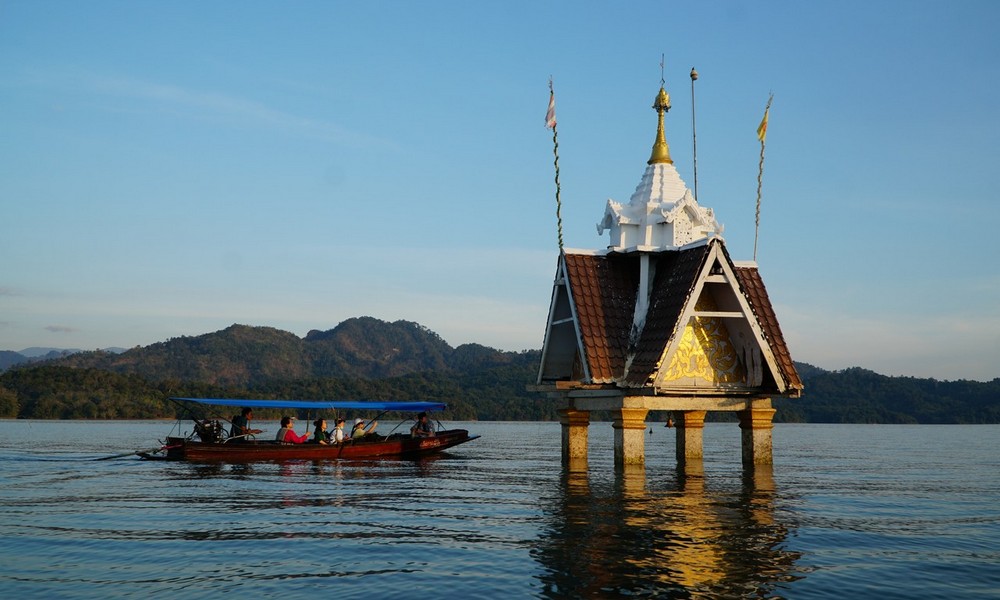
(662, 319)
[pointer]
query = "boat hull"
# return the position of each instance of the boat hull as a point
(394, 446)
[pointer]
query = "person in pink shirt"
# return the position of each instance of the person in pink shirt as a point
(287, 435)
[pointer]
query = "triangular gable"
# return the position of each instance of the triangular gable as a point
(561, 350)
(717, 343)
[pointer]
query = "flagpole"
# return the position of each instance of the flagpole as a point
(550, 122)
(694, 135)
(761, 135)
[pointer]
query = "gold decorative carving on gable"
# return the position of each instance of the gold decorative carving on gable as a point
(705, 353)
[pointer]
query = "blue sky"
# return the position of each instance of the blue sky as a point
(169, 169)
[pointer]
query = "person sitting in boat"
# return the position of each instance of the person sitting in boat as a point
(287, 434)
(423, 427)
(241, 424)
(319, 434)
(359, 430)
(338, 436)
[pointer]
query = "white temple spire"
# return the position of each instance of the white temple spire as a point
(662, 213)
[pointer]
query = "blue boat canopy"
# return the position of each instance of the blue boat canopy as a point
(320, 404)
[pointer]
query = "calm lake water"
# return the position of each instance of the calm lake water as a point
(848, 511)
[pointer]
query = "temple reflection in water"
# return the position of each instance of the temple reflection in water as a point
(681, 535)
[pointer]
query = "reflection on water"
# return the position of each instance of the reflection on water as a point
(847, 512)
(329, 492)
(672, 537)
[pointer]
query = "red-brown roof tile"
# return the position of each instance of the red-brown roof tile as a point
(603, 289)
(753, 288)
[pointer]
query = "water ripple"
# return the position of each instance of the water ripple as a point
(845, 512)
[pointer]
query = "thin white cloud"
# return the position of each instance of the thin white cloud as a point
(60, 329)
(208, 104)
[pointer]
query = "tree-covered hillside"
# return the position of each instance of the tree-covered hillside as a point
(241, 355)
(366, 358)
(861, 396)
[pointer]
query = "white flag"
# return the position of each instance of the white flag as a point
(550, 115)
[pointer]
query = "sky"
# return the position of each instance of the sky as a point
(168, 169)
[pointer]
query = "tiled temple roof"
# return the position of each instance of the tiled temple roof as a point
(604, 287)
(755, 292)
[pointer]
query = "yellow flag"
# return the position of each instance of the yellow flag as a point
(762, 128)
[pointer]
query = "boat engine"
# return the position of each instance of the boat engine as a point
(209, 431)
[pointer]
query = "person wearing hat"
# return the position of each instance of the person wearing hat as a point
(359, 429)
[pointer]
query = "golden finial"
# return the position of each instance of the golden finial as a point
(661, 151)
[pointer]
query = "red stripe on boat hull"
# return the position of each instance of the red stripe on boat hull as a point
(395, 446)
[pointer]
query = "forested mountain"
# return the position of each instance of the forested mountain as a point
(362, 358)
(241, 355)
(366, 358)
(858, 395)
(9, 358)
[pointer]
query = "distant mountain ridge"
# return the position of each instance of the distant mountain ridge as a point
(9, 358)
(365, 357)
(358, 347)
(242, 355)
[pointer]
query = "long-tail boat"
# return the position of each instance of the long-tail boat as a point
(209, 442)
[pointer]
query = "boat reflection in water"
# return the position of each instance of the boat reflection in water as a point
(680, 538)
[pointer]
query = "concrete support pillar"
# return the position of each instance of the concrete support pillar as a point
(756, 425)
(690, 428)
(575, 425)
(630, 436)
